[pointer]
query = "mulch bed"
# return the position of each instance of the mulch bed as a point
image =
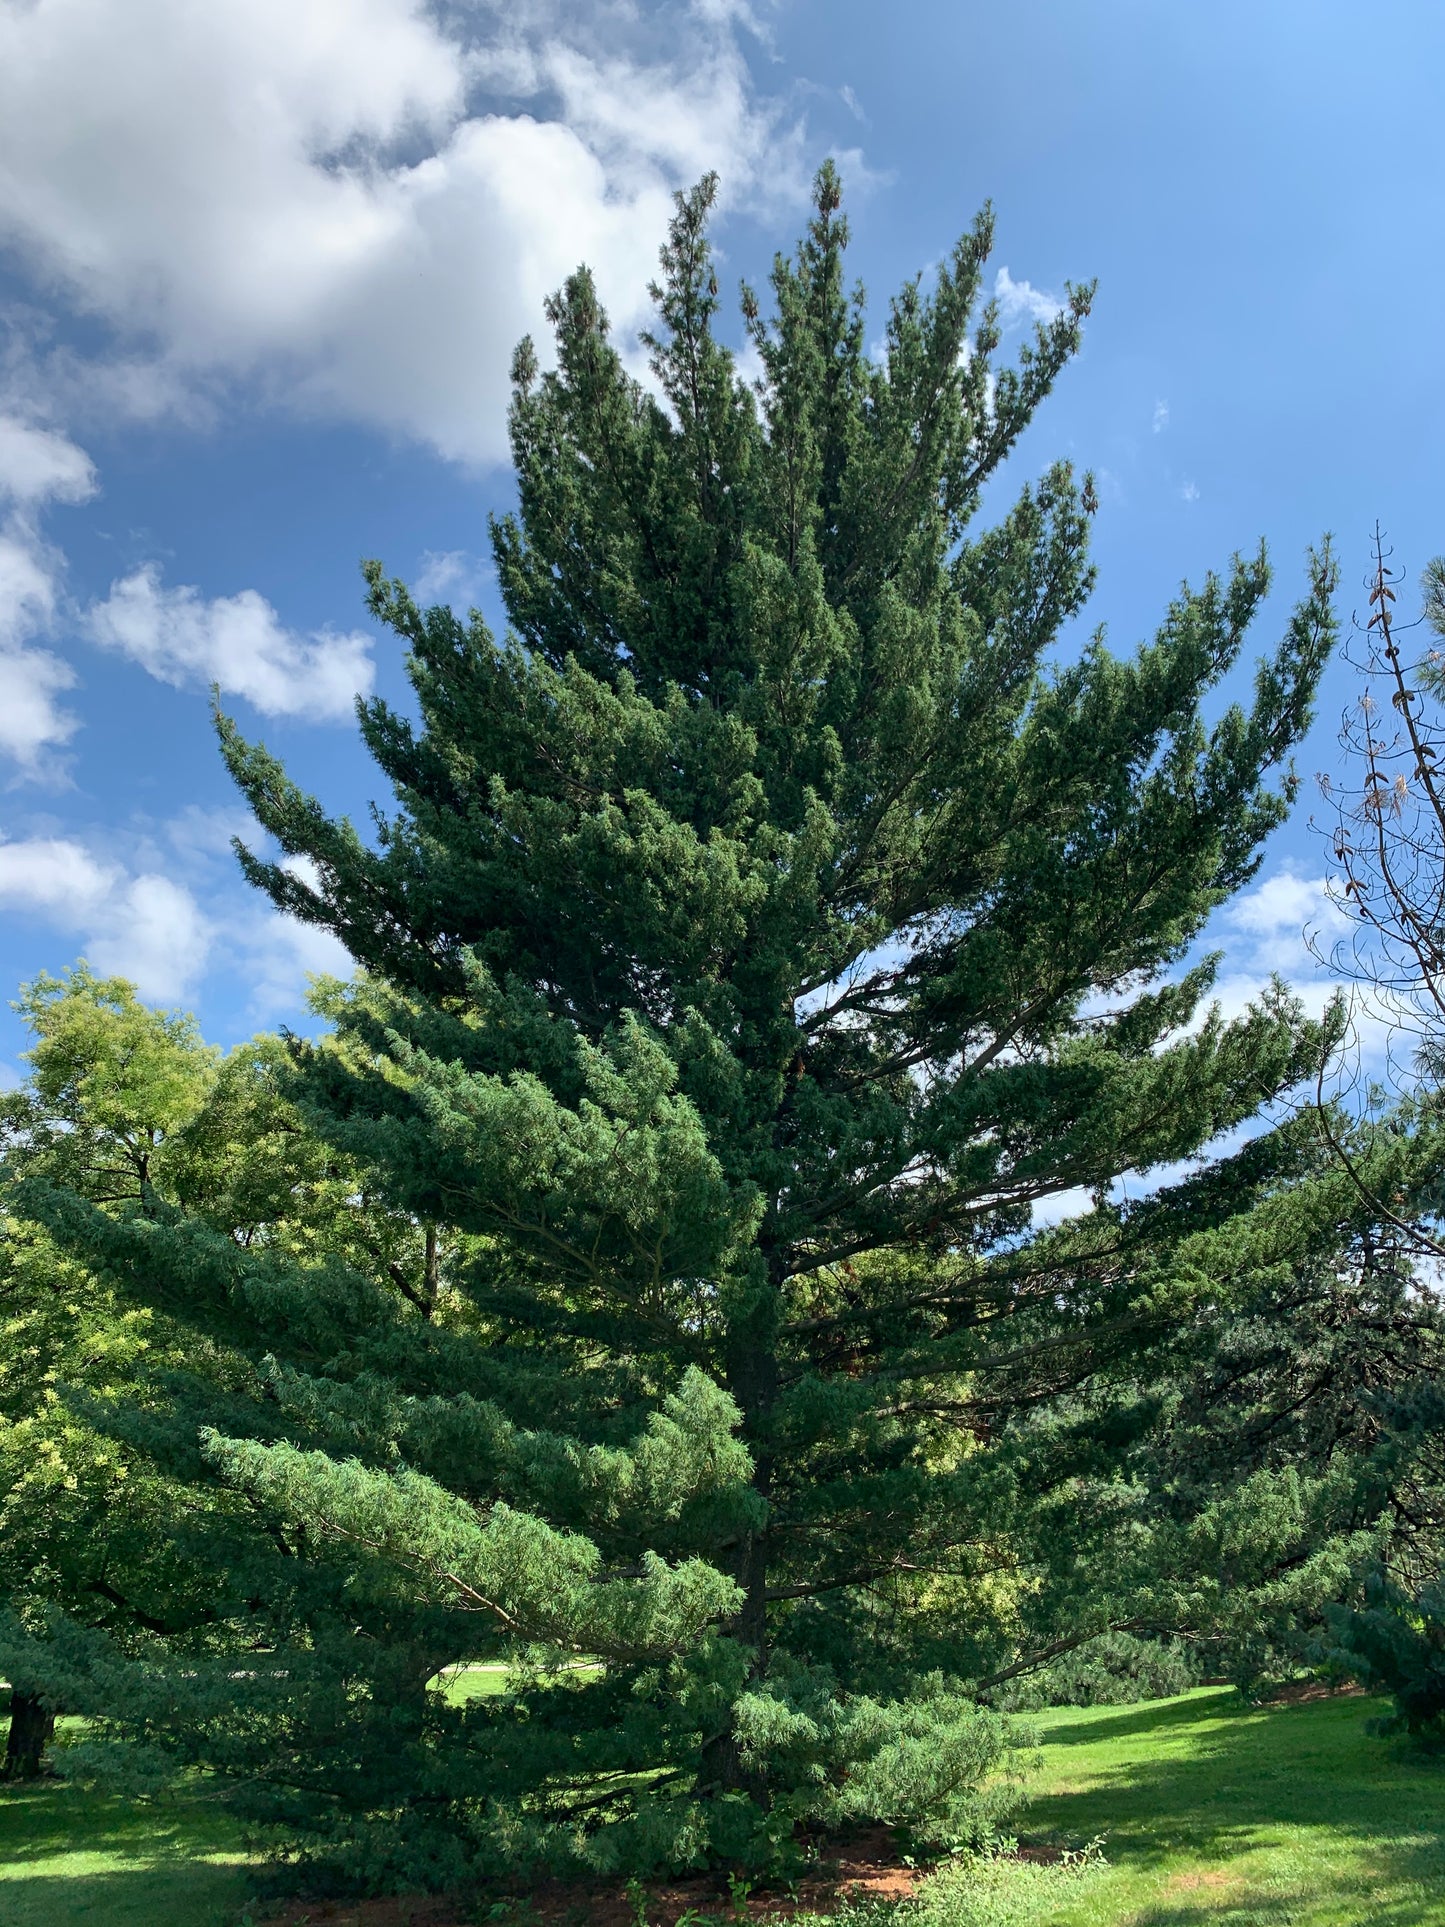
(1297, 1691)
(865, 1867)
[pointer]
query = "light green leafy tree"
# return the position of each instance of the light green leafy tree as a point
(85, 1525)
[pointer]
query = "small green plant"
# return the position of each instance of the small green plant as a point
(1083, 1859)
(517, 1913)
(637, 1899)
(739, 1891)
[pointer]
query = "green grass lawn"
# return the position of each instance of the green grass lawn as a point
(1287, 1817)
(92, 1861)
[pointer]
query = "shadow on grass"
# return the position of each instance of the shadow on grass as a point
(1373, 1896)
(1305, 1782)
(68, 1856)
(1155, 1717)
(195, 1896)
(47, 1818)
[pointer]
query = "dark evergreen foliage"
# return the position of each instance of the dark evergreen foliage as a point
(1395, 1643)
(771, 919)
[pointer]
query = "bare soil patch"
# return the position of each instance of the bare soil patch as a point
(1298, 1692)
(864, 1867)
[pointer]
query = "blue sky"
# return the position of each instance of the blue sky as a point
(262, 263)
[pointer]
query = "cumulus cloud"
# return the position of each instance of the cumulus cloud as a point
(1285, 926)
(1020, 301)
(176, 634)
(169, 912)
(52, 874)
(148, 928)
(362, 203)
(37, 467)
(237, 642)
(1285, 920)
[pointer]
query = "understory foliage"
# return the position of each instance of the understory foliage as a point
(781, 910)
(1112, 1669)
(1394, 1642)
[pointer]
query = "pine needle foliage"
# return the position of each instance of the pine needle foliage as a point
(770, 919)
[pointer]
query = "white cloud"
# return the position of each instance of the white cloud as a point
(326, 196)
(32, 720)
(176, 634)
(1285, 925)
(148, 928)
(1286, 919)
(1189, 492)
(1161, 417)
(169, 912)
(1288, 925)
(1021, 301)
(452, 576)
(279, 955)
(37, 467)
(1061, 1206)
(52, 874)
(153, 931)
(236, 641)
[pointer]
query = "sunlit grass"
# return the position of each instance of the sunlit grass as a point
(462, 1683)
(96, 1860)
(1213, 1811)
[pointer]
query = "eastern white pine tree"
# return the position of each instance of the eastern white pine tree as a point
(769, 920)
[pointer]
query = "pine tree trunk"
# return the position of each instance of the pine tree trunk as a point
(753, 1381)
(32, 1727)
(721, 1768)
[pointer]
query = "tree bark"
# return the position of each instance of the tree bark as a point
(753, 1380)
(32, 1727)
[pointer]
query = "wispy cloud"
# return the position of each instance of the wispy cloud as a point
(1161, 417)
(1285, 926)
(452, 576)
(38, 468)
